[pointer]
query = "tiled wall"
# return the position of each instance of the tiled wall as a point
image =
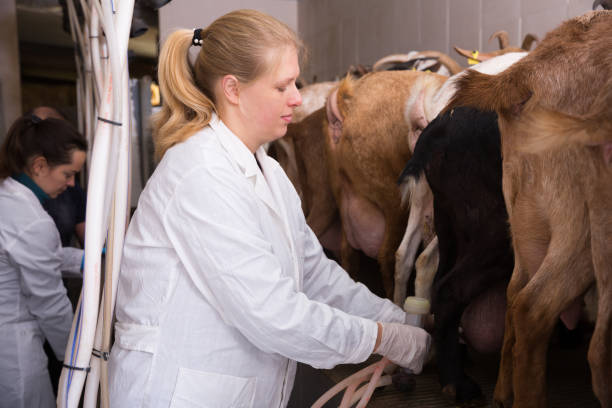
(200, 13)
(339, 33)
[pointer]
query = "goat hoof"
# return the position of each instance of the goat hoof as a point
(450, 391)
(501, 404)
(404, 381)
(466, 393)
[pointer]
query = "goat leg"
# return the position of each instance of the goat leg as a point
(599, 354)
(564, 275)
(502, 396)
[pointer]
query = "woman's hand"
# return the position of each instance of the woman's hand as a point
(407, 346)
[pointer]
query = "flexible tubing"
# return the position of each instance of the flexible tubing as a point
(350, 390)
(382, 382)
(94, 40)
(101, 175)
(374, 382)
(71, 381)
(343, 384)
(122, 203)
(76, 329)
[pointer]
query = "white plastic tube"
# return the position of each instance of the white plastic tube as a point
(101, 185)
(98, 373)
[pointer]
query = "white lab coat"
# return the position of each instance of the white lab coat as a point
(33, 301)
(223, 286)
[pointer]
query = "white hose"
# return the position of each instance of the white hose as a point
(94, 40)
(98, 373)
(101, 185)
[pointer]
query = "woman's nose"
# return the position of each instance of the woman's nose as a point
(71, 181)
(296, 97)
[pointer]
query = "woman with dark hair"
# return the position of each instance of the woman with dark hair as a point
(38, 161)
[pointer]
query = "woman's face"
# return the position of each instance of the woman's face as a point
(53, 180)
(267, 103)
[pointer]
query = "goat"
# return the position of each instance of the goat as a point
(306, 166)
(558, 203)
(421, 208)
(459, 154)
(369, 143)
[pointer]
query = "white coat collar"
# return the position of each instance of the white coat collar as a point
(19, 188)
(248, 165)
(266, 188)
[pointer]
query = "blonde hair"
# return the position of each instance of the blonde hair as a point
(237, 44)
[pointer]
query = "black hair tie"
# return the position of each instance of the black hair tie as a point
(197, 37)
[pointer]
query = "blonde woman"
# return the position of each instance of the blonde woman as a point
(223, 286)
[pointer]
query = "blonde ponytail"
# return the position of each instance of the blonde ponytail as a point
(186, 109)
(237, 44)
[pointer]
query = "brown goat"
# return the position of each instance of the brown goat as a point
(301, 153)
(368, 145)
(559, 203)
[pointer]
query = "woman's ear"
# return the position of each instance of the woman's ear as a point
(231, 88)
(38, 166)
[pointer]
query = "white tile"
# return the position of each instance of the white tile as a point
(538, 7)
(406, 24)
(334, 47)
(464, 29)
(500, 9)
(348, 54)
(500, 15)
(578, 7)
(434, 25)
(372, 41)
(542, 22)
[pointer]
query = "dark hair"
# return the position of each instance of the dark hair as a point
(30, 136)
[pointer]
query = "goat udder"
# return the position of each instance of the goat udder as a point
(363, 223)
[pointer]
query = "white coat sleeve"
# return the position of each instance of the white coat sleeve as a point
(71, 262)
(37, 254)
(325, 281)
(213, 222)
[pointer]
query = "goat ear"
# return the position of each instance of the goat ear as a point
(334, 118)
(415, 115)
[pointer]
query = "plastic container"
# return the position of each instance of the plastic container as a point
(416, 309)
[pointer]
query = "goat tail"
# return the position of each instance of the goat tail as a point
(345, 93)
(547, 129)
(490, 92)
(407, 187)
(409, 178)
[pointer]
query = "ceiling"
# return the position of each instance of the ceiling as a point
(46, 17)
(46, 50)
